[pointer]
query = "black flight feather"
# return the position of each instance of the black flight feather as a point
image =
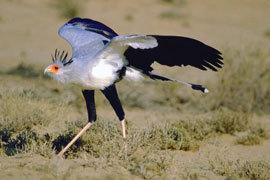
(175, 51)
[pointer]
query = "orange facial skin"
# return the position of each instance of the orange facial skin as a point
(54, 68)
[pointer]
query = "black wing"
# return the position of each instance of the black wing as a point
(175, 51)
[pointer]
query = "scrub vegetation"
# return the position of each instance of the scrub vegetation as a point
(29, 117)
(68, 8)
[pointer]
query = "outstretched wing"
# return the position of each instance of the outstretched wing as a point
(109, 61)
(86, 36)
(119, 44)
(175, 51)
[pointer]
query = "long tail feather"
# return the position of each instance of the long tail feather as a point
(163, 78)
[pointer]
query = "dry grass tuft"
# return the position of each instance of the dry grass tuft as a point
(24, 70)
(68, 8)
(254, 170)
(23, 109)
(267, 34)
(254, 136)
(242, 84)
(228, 122)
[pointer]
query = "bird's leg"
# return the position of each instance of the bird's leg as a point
(89, 97)
(112, 96)
(88, 125)
(123, 128)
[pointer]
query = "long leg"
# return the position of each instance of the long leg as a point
(111, 94)
(88, 125)
(89, 97)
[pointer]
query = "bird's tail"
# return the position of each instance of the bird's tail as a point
(163, 78)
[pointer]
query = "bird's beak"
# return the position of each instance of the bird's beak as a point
(48, 70)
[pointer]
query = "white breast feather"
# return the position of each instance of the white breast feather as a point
(102, 69)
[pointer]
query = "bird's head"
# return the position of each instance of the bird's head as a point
(59, 61)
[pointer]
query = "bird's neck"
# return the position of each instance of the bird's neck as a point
(68, 74)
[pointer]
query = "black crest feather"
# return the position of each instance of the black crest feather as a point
(61, 57)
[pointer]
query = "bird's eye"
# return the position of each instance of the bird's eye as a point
(56, 68)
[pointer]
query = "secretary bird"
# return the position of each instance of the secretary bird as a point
(101, 58)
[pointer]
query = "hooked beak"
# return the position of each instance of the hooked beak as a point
(48, 70)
